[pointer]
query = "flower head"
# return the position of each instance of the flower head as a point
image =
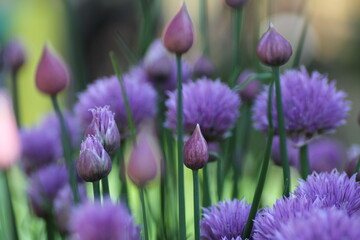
(196, 150)
(211, 104)
(94, 162)
(334, 189)
(96, 221)
(312, 106)
(225, 220)
(52, 75)
(104, 128)
(14, 55)
(107, 91)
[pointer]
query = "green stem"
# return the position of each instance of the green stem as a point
(180, 146)
(142, 199)
(15, 97)
(105, 187)
(122, 176)
(12, 216)
(196, 205)
(300, 44)
(204, 29)
(96, 190)
(357, 167)
(282, 132)
(50, 234)
(304, 161)
(67, 149)
(254, 76)
(206, 188)
(238, 12)
(263, 172)
(145, 26)
(219, 178)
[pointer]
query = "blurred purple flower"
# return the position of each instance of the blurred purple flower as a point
(292, 151)
(14, 55)
(211, 104)
(321, 224)
(203, 67)
(312, 106)
(353, 155)
(107, 91)
(250, 92)
(334, 189)
(96, 221)
(225, 220)
(41, 144)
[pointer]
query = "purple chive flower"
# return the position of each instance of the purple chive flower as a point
(94, 162)
(321, 224)
(160, 67)
(203, 67)
(250, 92)
(211, 104)
(334, 189)
(312, 106)
(95, 221)
(353, 155)
(269, 221)
(41, 144)
(292, 151)
(225, 220)
(44, 187)
(103, 127)
(196, 150)
(14, 55)
(107, 91)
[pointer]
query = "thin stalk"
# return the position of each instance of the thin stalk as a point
(300, 44)
(304, 161)
(12, 216)
(96, 189)
(263, 172)
(219, 179)
(238, 16)
(67, 149)
(206, 188)
(282, 132)
(180, 146)
(122, 176)
(50, 233)
(257, 76)
(357, 167)
(15, 97)
(142, 199)
(145, 26)
(204, 29)
(196, 205)
(105, 187)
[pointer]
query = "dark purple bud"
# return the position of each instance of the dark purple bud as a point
(14, 55)
(104, 128)
(94, 162)
(178, 36)
(196, 150)
(52, 75)
(235, 3)
(353, 156)
(157, 61)
(252, 89)
(213, 147)
(203, 67)
(142, 166)
(273, 49)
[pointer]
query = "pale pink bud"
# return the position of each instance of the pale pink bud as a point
(273, 49)
(178, 36)
(196, 150)
(52, 75)
(235, 3)
(142, 166)
(9, 134)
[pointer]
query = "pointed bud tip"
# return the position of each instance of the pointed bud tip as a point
(196, 150)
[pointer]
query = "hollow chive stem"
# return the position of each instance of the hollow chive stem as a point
(105, 186)
(196, 205)
(142, 199)
(238, 16)
(357, 168)
(50, 234)
(219, 179)
(67, 149)
(13, 225)
(206, 188)
(204, 29)
(282, 132)
(96, 190)
(180, 146)
(304, 161)
(263, 172)
(122, 176)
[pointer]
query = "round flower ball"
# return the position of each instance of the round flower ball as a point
(312, 106)
(211, 104)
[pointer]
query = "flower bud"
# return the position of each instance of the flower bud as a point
(94, 163)
(178, 36)
(203, 67)
(104, 128)
(273, 49)
(157, 62)
(52, 75)
(252, 89)
(235, 3)
(14, 55)
(9, 134)
(196, 150)
(142, 166)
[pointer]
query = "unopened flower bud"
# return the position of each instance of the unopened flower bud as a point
(157, 61)
(104, 128)
(14, 55)
(235, 3)
(273, 49)
(94, 163)
(142, 166)
(178, 36)
(52, 75)
(196, 150)
(252, 89)
(203, 67)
